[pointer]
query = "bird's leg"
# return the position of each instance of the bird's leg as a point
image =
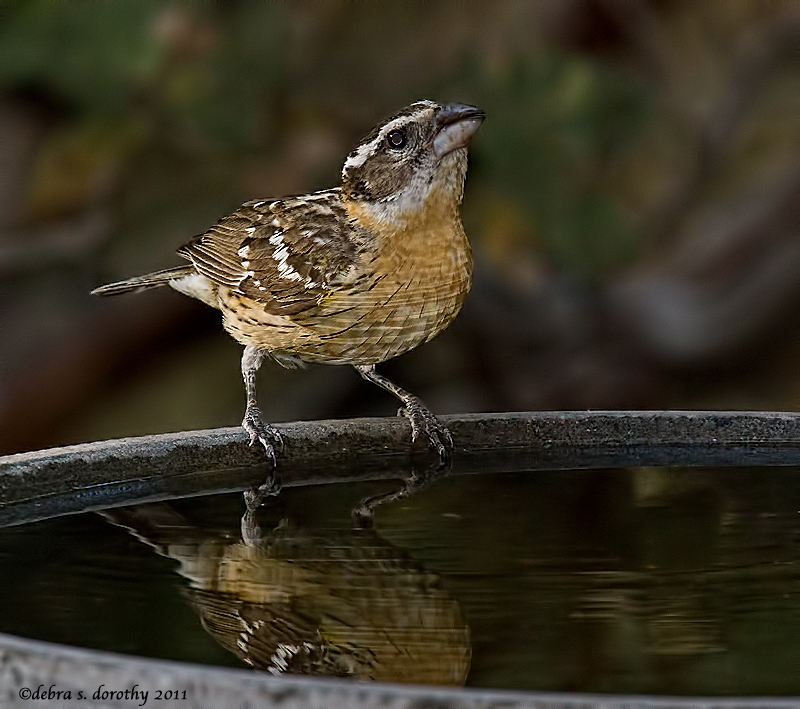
(422, 420)
(257, 429)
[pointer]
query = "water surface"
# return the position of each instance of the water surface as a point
(654, 580)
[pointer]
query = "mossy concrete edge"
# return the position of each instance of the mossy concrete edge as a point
(97, 475)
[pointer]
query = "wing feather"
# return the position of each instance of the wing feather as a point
(285, 254)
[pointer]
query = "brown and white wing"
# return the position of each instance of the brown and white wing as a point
(284, 254)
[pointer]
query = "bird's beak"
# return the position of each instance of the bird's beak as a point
(456, 123)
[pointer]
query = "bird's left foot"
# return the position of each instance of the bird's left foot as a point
(423, 421)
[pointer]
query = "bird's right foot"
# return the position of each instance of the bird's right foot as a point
(259, 430)
(270, 439)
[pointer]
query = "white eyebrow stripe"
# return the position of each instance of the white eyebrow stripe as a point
(396, 123)
(363, 152)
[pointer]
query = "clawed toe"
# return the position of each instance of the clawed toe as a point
(269, 437)
(423, 421)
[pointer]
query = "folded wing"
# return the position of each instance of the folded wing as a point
(285, 254)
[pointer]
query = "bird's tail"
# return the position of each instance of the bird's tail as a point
(151, 280)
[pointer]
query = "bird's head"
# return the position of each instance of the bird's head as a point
(418, 152)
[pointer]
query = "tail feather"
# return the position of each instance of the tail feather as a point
(151, 280)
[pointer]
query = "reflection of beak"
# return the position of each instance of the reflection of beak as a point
(456, 123)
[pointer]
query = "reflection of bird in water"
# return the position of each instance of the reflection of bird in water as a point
(343, 603)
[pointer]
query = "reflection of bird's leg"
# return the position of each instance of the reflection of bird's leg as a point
(251, 529)
(257, 429)
(252, 534)
(422, 420)
(364, 512)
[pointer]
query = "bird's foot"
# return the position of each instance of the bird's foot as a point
(258, 430)
(423, 421)
(270, 439)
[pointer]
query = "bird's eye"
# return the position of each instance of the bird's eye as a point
(396, 139)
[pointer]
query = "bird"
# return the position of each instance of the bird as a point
(353, 275)
(323, 600)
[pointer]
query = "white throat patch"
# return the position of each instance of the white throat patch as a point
(448, 178)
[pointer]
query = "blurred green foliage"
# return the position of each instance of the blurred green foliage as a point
(216, 87)
(93, 55)
(556, 122)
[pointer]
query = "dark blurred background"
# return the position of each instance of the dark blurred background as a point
(633, 200)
